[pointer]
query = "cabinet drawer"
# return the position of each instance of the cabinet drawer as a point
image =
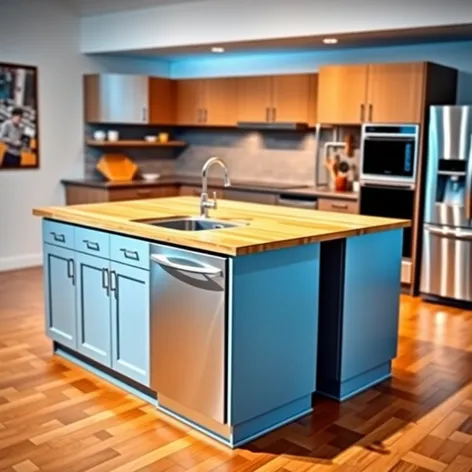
(90, 241)
(59, 234)
(338, 205)
(130, 251)
(142, 193)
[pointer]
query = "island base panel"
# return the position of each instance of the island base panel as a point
(343, 391)
(240, 434)
(360, 280)
(106, 374)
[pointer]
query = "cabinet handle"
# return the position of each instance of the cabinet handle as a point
(60, 238)
(92, 245)
(371, 112)
(267, 114)
(274, 113)
(114, 284)
(143, 193)
(71, 270)
(340, 206)
(130, 254)
(362, 112)
(145, 114)
(205, 115)
(199, 115)
(106, 281)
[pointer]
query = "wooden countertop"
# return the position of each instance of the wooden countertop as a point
(269, 227)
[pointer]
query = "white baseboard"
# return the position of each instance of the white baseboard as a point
(21, 262)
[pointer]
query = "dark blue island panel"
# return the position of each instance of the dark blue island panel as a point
(360, 282)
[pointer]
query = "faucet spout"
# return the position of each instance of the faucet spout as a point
(205, 203)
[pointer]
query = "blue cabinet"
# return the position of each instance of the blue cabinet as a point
(93, 308)
(130, 315)
(60, 295)
(97, 306)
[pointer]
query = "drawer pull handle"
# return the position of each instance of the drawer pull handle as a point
(93, 246)
(339, 206)
(60, 238)
(130, 254)
(143, 192)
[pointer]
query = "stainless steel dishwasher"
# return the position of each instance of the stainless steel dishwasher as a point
(188, 333)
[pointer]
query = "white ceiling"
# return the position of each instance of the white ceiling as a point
(96, 7)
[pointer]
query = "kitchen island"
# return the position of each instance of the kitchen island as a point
(231, 323)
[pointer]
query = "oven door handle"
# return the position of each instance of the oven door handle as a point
(448, 233)
(389, 185)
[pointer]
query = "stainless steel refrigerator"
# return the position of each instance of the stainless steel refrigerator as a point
(446, 269)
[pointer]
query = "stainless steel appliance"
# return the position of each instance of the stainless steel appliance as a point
(388, 167)
(188, 334)
(446, 269)
(297, 201)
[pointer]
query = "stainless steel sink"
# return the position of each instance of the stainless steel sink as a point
(190, 223)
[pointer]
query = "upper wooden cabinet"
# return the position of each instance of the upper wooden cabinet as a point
(206, 102)
(379, 93)
(128, 99)
(280, 98)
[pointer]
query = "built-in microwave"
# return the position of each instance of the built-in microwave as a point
(389, 153)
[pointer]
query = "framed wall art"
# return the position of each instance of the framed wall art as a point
(19, 132)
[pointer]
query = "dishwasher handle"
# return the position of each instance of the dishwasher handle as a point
(205, 269)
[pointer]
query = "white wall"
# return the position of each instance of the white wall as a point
(45, 34)
(457, 55)
(217, 21)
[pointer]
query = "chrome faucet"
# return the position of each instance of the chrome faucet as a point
(205, 203)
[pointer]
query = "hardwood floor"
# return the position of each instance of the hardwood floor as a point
(56, 417)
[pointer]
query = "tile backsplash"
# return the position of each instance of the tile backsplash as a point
(280, 156)
(268, 156)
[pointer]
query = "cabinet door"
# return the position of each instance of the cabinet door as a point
(219, 102)
(162, 101)
(93, 308)
(395, 93)
(342, 93)
(130, 317)
(59, 291)
(124, 99)
(254, 96)
(291, 98)
(189, 102)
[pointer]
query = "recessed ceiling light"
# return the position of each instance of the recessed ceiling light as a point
(217, 50)
(330, 40)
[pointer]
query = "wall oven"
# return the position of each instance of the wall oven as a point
(389, 153)
(389, 157)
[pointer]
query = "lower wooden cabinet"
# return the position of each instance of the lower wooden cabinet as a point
(338, 205)
(80, 194)
(251, 197)
(99, 307)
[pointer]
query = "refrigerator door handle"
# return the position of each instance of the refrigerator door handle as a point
(468, 185)
(448, 233)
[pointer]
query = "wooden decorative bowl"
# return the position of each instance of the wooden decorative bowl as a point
(116, 167)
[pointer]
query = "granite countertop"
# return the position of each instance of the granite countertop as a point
(286, 190)
(265, 227)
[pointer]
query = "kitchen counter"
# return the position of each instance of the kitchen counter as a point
(265, 227)
(230, 331)
(284, 189)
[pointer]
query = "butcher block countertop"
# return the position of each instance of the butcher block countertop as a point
(268, 227)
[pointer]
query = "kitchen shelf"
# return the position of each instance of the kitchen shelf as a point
(133, 143)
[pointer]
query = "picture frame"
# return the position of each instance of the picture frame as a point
(19, 117)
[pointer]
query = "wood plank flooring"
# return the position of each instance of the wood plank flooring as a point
(56, 417)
